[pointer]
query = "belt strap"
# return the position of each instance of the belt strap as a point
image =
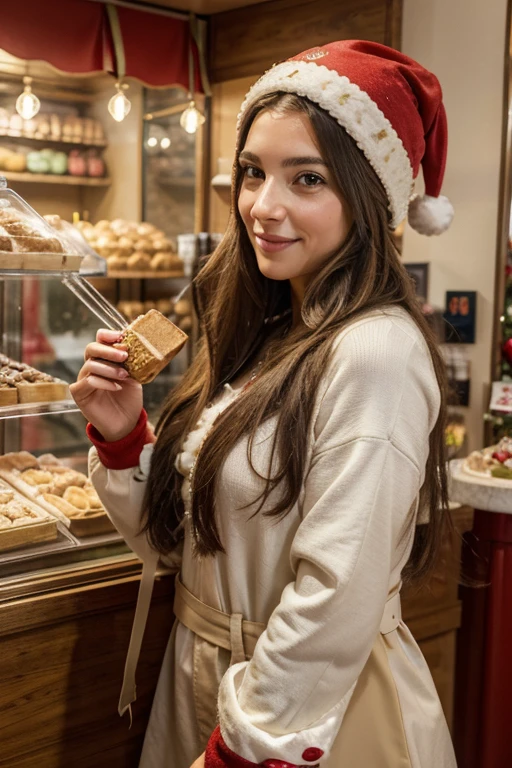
(235, 634)
(129, 689)
(231, 632)
(392, 614)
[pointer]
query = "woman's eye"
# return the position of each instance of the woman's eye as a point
(251, 172)
(310, 180)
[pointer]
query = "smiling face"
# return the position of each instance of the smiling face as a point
(293, 211)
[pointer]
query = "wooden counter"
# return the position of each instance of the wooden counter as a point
(63, 647)
(61, 666)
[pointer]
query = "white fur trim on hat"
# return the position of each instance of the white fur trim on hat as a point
(356, 112)
(430, 215)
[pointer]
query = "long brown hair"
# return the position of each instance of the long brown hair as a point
(239, 308)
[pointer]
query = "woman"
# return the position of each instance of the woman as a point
(290, 463)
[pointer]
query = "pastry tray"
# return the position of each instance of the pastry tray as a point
(42, 529)
(92, 525)
(33, 263)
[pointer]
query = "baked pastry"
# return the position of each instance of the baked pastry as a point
(164, 306)
(116, 263)
(161, 244)
(48, 459)
(20, 460)
(94, 499)
(20, 229)
(20, 383)
(144, 229)
(36, 244)
(61, 504)
(5, 243)
(166, 260)
(492, 462)
(77, 497)
(139, 261)
(152, 342)
(37, 476)
(145, 245)
(41, 391)
(183, 307)
(8, 393)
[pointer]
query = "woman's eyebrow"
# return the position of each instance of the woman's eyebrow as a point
(289, 162)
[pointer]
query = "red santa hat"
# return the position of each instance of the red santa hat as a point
(390, 105)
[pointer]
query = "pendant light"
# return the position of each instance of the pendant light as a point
(119, 105)
(191, 118)
(27, 103)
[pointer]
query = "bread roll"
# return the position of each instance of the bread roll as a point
(116, 263)
(145, 229)
(183, 307)
(77, 497)
(139, 261)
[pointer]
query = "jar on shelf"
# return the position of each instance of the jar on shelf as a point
(77, 164)
(95, 164)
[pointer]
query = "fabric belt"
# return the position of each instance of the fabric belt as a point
(231, 632)
(235, 634)
(227, 631)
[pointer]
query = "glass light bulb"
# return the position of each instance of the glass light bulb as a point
(191, 118)
(119, 106)
(165, 143)
(27, 103)
(152, 141)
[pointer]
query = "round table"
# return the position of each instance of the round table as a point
(483, 697)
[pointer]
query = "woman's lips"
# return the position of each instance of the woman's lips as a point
(273, 245)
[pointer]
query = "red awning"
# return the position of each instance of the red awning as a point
(74, 36)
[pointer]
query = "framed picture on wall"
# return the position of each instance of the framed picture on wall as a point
(460, 317)
(419, 275)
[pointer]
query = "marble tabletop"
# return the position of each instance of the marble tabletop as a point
(489, 494)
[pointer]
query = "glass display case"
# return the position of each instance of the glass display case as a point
(170, 159)
(50, 515)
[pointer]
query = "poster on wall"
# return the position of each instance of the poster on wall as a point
(501, 396)
(460, 317)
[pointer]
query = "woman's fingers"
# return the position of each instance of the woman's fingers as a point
(104, 352)
(92, 366)
(108, 337)
(85, 387)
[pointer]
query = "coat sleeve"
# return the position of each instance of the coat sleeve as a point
(370, 449)
(122, 490)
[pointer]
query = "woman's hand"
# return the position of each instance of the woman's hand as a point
(199, 763)
(108, 398)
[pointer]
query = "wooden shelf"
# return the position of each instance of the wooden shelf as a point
(152, 275)
(59, 142)
(48, 178)
(177, 181)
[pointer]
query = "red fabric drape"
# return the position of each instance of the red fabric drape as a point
(66, 33)
(74, 36)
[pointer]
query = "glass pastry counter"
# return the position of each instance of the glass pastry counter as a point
(50, 514)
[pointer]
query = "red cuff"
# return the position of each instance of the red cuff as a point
(218, 754)
(123, 453)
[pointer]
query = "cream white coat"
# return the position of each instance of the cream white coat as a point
(319, 579)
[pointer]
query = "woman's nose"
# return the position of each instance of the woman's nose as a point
(269, 202)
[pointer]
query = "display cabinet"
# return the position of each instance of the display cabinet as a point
(50, 515)
(68, 583)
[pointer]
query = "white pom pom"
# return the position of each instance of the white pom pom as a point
(430, 215)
